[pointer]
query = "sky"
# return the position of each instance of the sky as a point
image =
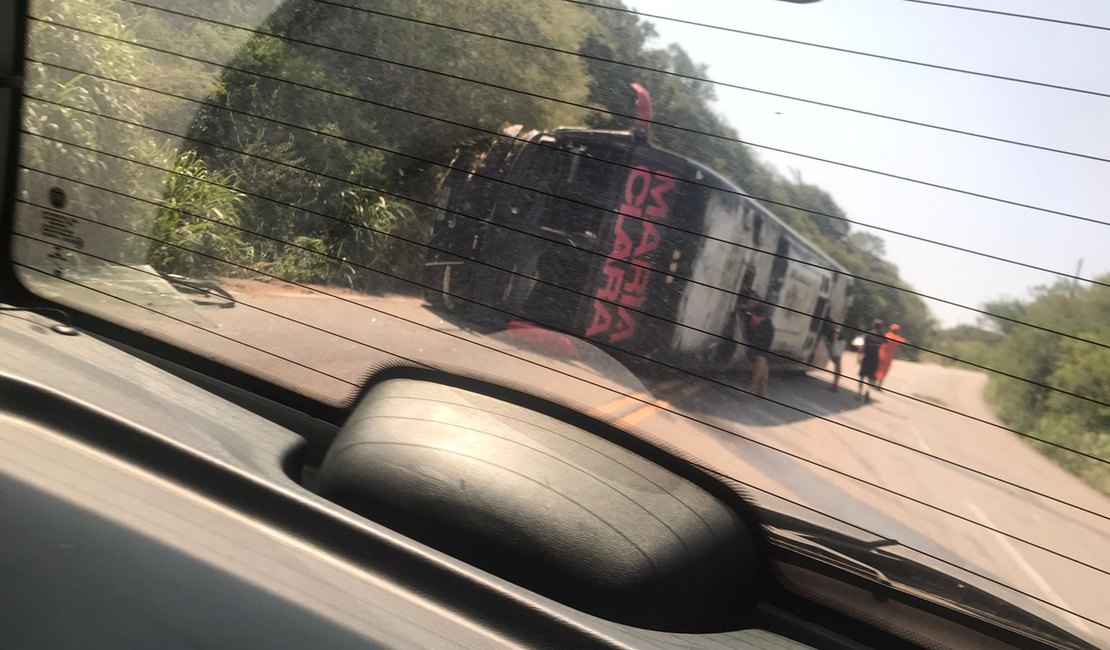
(1051, 53)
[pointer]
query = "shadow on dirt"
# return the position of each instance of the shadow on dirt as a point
(792, 396)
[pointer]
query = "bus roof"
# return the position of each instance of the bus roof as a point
(715, 181)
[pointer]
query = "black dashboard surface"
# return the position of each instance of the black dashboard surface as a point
(142, 511)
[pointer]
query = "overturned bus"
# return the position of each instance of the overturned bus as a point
(604, 236)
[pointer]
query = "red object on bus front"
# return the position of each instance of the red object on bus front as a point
(643, 107)
(542, 339)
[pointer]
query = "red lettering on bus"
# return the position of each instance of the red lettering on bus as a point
(649, 240)
(630, 210)
(658, 208)
(637, 286)
(625, 326)
(622, 244)
(602, 319)
(629, 288)
(632, 195)
(613, 280)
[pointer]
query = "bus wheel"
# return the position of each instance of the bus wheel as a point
(447, 300)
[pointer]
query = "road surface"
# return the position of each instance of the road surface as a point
(898, 466)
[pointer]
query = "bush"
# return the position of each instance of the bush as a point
(370, 246)
(381, 237)
(1044, 357)
(199, 214)
(304, 261)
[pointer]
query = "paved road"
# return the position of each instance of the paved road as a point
(865, 451)
(826, 450)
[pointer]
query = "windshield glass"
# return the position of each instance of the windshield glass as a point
(848, 254)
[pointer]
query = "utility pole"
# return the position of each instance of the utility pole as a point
(1075, 280)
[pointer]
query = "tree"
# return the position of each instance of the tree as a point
(86, 102)
(333, 102)
(1043, 358)
(1005, 311)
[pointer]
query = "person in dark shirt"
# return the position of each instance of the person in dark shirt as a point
(759, 334)
(869, 358)
(835, 344)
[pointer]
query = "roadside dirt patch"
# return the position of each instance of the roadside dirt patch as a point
(270, 288)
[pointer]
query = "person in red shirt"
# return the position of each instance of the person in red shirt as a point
(887, 351)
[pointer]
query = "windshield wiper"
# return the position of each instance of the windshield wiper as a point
(828, 553)
(868, 564)
(206, 288)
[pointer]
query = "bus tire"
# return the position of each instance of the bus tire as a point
(445, 298)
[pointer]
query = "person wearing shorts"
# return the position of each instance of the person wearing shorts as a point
(759, 334)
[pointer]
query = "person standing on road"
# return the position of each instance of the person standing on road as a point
(869, 357)
(759, 334)
(887, 351)
(836, 345)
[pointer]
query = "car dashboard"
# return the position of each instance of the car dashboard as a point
(146, 506)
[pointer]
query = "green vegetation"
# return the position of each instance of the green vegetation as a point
(968, 342)
(189, 228)
(272, 175)
(1050, 359)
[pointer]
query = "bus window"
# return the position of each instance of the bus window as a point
(530, 183)
(585, 179)
(820, 312)
(778, 271)
(749, 278)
